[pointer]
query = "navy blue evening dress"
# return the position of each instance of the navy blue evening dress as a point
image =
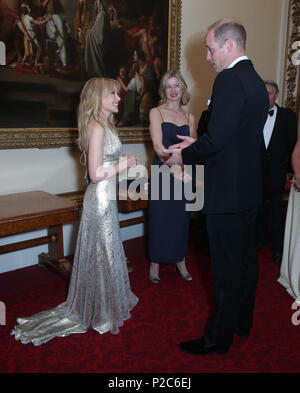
(168, 219)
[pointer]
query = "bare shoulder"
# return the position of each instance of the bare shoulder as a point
(155, 114)
(95, 128)
(95, 131)
(191, 116)
(155, 111)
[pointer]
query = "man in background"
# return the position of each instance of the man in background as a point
(280, 136)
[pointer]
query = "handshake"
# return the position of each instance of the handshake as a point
(175, 150)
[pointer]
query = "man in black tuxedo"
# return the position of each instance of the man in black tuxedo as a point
(231, 150)
(280, 136)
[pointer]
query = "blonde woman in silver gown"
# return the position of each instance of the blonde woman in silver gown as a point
(99, 294)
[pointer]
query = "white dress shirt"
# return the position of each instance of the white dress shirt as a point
(237, 60)
(269, 126)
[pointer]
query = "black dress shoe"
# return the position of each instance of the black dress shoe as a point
(202, 347)
(277, 258)
(242, 332)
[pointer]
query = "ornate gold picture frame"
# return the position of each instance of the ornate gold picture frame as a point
(291, 88)
(22, 138)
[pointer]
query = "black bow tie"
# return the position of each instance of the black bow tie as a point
(271, 112)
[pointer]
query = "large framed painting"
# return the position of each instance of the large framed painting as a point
(53, 46)
(291, 87)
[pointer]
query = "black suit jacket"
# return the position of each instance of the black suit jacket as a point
(277, 156)
(232, 147)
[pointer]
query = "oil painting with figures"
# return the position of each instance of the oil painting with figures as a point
(54, 46)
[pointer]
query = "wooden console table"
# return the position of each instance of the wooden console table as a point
(29, 211)
(124, 206)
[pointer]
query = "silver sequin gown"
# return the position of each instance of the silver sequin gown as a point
(99, 294)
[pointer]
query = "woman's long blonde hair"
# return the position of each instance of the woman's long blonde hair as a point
(90, 107)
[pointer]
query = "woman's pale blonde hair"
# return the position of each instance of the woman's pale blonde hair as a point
(162, 88)
(90, 107)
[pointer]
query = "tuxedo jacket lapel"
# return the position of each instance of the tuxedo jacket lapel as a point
(276, 135)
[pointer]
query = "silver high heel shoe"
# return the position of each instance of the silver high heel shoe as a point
(153, 279)
(186, 277)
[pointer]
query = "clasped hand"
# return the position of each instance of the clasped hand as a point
(175, 150)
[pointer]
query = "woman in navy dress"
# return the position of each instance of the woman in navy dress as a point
(168, 217)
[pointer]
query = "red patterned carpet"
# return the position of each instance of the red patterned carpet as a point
(167, 313)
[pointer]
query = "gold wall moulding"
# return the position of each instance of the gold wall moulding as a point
(45, 138)
(291, 89)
